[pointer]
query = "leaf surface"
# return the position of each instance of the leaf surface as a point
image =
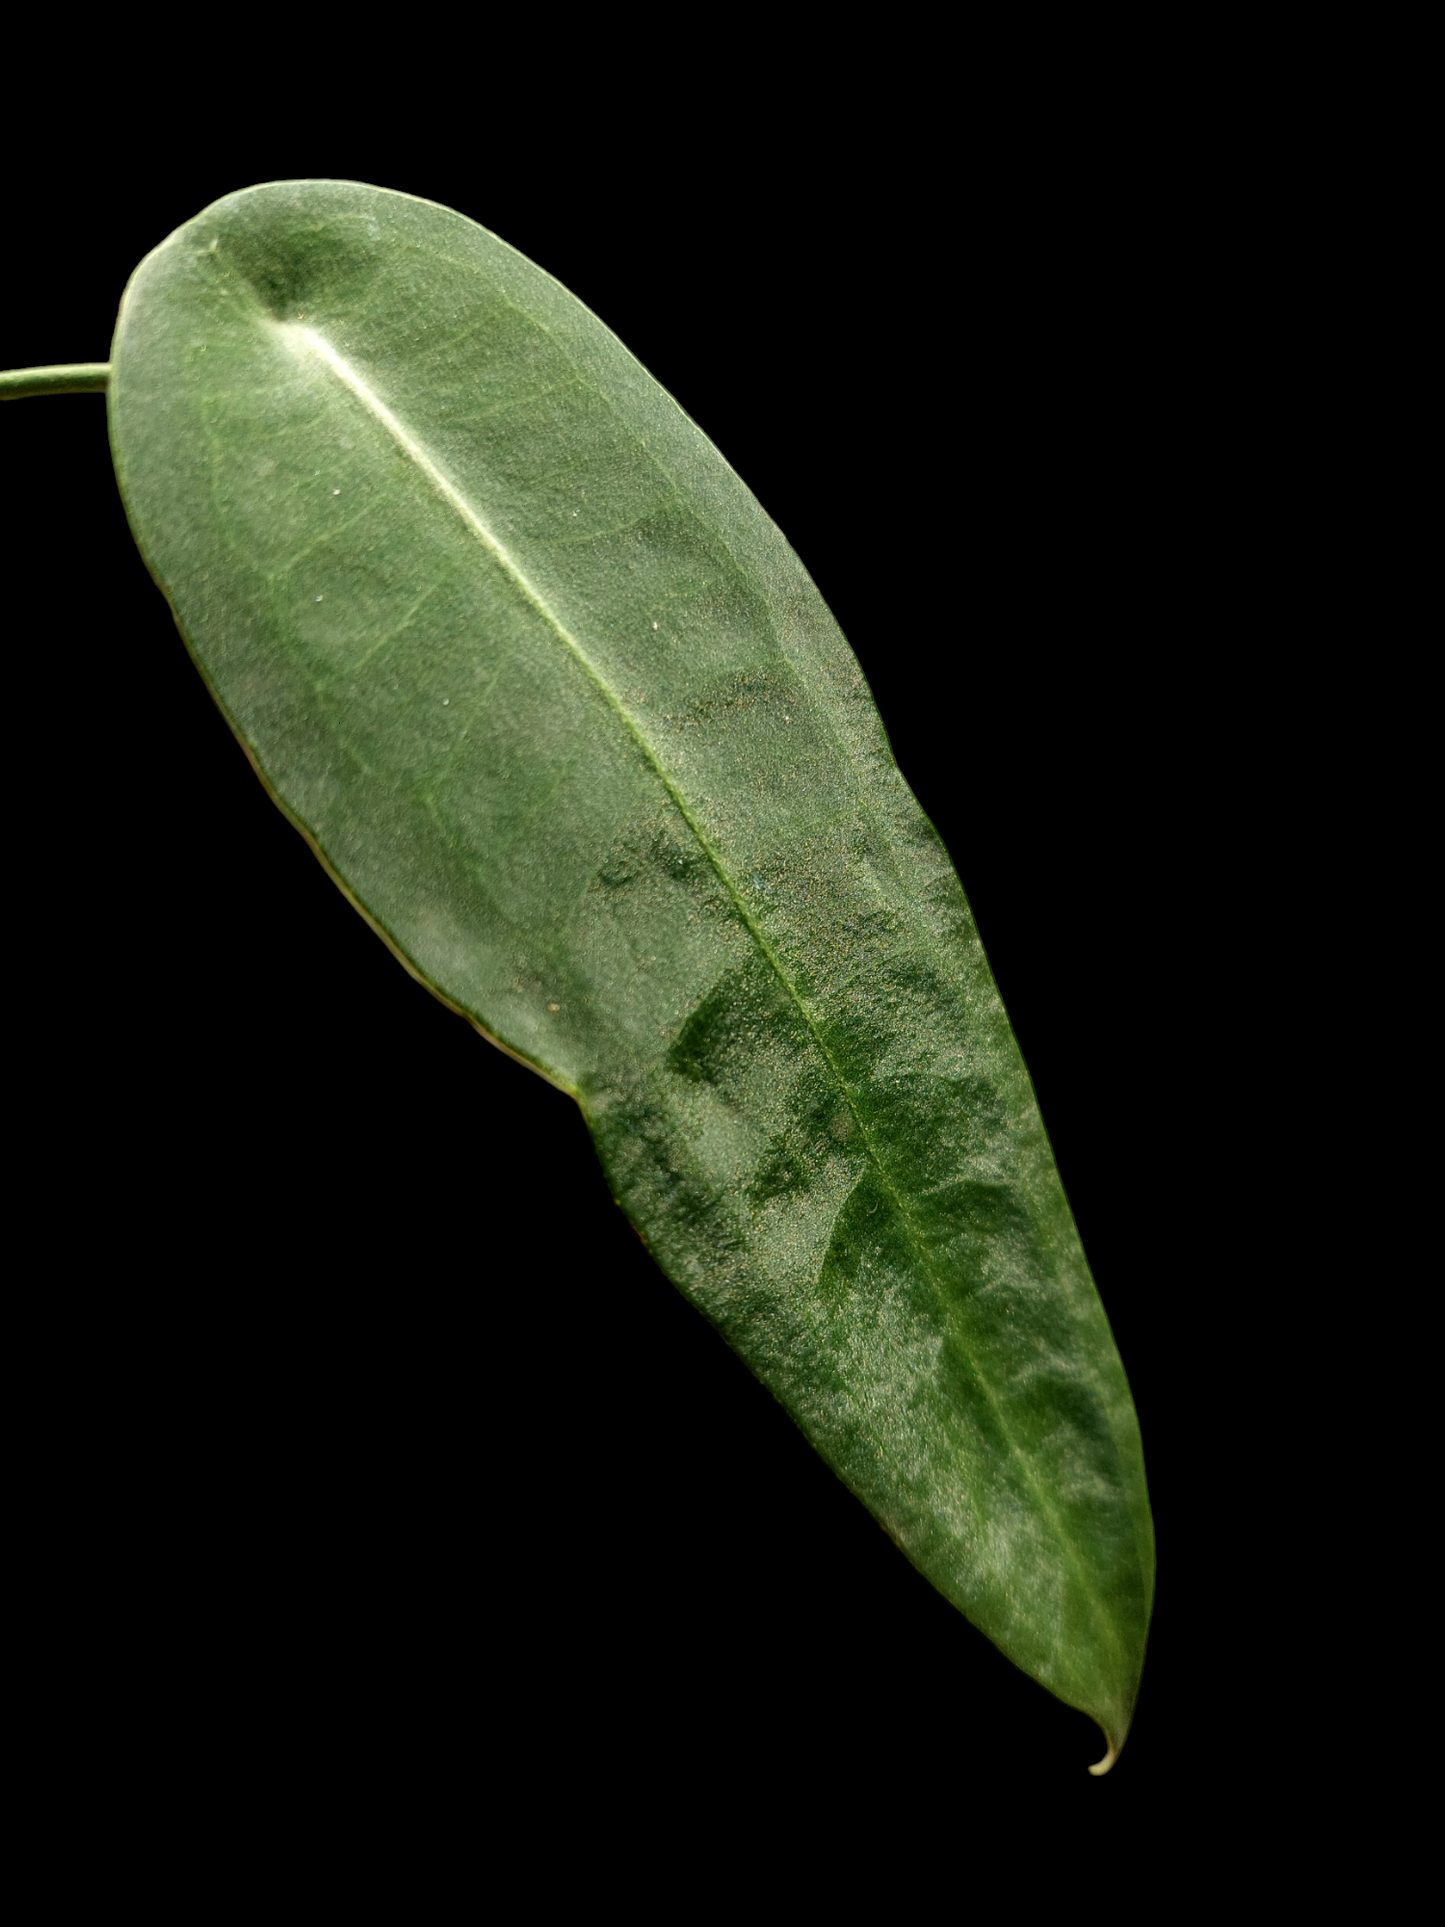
(563, 714)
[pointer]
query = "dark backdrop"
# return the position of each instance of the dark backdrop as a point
(355, 1420)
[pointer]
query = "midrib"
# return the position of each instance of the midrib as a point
(417, 453)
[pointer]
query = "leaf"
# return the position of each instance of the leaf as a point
(562, 713)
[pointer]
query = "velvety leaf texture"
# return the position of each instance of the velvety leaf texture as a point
(563, 714)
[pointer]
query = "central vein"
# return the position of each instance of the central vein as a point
(416, 452)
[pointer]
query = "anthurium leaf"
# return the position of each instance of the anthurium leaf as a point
(563, 714)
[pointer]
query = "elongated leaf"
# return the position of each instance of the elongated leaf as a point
(562, 712)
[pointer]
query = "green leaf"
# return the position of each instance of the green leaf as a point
(563, 714)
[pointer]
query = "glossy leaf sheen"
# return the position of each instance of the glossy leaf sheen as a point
(564, 715)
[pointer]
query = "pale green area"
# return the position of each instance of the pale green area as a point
(563, 713)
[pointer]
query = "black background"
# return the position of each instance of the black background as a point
(359, 1435)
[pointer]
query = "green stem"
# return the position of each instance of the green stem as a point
(77, 378)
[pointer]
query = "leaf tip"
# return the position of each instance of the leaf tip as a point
(1101, 1767)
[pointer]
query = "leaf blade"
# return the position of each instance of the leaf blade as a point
(560, 709)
